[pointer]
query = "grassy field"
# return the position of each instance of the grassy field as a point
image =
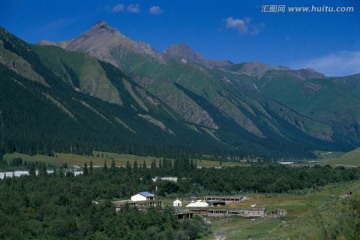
(310, 215)
(328, 155)
(350, 159)
(99, 158)
(242, 228)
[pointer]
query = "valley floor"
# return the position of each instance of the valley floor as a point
(329, 212)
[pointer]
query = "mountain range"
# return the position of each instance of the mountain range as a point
(105, 91)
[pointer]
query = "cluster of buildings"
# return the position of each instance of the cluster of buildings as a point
(210, 207)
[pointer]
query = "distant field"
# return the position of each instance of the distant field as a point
(99, 158)
(328, 155)
(350, 159)
(305, 211)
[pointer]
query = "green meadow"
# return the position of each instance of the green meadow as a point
(350, 159)
(312, 215)
(99, 158)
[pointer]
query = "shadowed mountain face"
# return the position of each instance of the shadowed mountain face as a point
(199, 104)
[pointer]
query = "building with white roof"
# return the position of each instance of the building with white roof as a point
(198, 203)
(143, 196)
(177, 203)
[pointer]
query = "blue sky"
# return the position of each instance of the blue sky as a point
(256, 30)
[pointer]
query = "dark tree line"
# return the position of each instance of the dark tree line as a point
(265, 178)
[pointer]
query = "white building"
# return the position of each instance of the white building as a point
(286, 163)
(198, 203)
(177, 203)
(143, 196)
(173, 179)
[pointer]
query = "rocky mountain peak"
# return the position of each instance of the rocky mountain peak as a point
(101, 40)
(184, 53)
(219, 63)
(103, 26)
(179, 48)
(255, 69)
(307, 73)
(281, 68)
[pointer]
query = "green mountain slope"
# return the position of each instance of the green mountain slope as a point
(42, 117)
(80, 70)
(350, 82)
(177, 101)
(241, 104)
(318, 99)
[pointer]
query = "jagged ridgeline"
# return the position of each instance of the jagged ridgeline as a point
(104, 91)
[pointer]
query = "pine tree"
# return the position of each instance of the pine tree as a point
(128, 168)
(43, 170)
(65, 165)
(113, 166)
(32, 170)
(91, 167)
(144, 165)
(61, 172)
(135, 167)
(85, 169)
(1, 157)
(153, 164)
(105, 166)
(192, 166)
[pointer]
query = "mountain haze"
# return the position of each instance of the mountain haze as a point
(185, 101)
